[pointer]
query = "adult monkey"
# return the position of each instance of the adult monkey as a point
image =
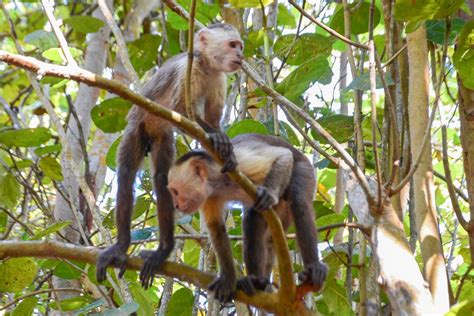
(217, 50)
(285, 180)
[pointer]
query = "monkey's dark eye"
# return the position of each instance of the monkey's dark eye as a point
(233, 44)
(174, 191)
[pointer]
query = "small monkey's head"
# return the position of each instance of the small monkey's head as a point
(188, 181)
(221, 45)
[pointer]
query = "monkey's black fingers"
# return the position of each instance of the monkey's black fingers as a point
(153, 261)
(115, 256)
(314, 274)
(223, 288)
(264, 199)
(246, 285)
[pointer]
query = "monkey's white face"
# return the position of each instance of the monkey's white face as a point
(223, 48)
(188, 187)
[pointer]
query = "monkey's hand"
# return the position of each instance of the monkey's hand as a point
(314, 274)
(115, 256)
(153, 260)
(224, 288)
(264, 200)
(222, 145)
(250, 284)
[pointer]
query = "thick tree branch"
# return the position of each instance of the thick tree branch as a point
(54, 249)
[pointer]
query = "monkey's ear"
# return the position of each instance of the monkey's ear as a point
(202, 36)
(199, 168)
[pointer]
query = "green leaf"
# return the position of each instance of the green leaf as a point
(3, 221)
(142, 234)
(66, 271)
(84, 23)
(10, 191)
(297, 82)
(111, 157)
(359, 18)
(191, 253)
(90, 307)
(328, 220)
(246, 126)
(41, 39)
(205, 13)
(27, 137)
(305, 47)
(336, 299)
(55, 54)
(341, 127)
(142, 204)
(362, 82)
(51, 168)
(249, 3)
(176, 21)
(409, 10)
(435, 30)
(72, 304)
(181, 303)
(147, 307)
(143, 52)
(464, 55)
(284, 17)
(462, 308)
(16, 274)
(51, 229)
(26, 307)
(467, 292)
(124, 310)
(46, 150)
(111, 115)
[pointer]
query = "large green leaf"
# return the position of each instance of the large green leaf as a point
(419, 10)
(51, 229)
(90, 307)
(16, 274)
(111, 157)
(143, 52)
(124, 310)
(51, 168)
(246, 126)
(10, 190)
(464, 55)
(72, 304)
(181, 302)
(66, 271)
(26, 307)
(336, 299)
(435, 30)
(328, 220)
(249, 3)
(111, 115)
(143, 233)
(306, 47)
(205, 13)
(27, 137)
(142, 298)
(41, 39)
(359, 18)
(296, 83)
(285, 17)
(55, 54)
(84, 23)
(41, 151)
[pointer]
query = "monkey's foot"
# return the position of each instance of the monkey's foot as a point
(314, 274)
(223, 288)
(264, 200)
(112, 256)
(153, 260)
(250, 284)
(222, 145)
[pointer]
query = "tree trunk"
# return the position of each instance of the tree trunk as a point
(425, 209)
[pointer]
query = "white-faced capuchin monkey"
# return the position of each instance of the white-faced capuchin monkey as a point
(285, 180)
(217, 50)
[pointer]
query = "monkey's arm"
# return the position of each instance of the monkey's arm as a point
(276, 181)
(225, 284)
(221, 143)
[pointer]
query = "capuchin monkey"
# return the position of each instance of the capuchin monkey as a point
(285, 180)
(217, 50)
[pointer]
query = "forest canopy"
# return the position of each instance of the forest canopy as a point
(378, 95)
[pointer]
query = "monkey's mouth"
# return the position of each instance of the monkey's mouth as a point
(237, 63)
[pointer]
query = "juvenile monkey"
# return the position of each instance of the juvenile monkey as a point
(217, 50)
(285, 179)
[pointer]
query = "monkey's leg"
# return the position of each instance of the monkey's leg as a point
(224, 285)
(162, 155)
(300, 198)
(256, 255)
(130, 155)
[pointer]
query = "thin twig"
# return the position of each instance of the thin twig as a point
(34, 293)
(395, 55)
(189, 66)
(461, 194)
(327, 28)
(57, 32)
(122, 48)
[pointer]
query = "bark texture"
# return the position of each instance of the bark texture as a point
(425, 208)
